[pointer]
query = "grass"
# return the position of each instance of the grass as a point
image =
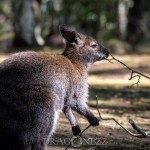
(117, 98)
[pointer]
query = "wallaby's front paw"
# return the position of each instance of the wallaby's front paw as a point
(76, 130)
(94, 121)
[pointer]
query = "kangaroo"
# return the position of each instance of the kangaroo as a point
(35, 86)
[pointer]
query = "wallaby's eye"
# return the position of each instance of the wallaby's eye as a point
(76, 41)
(94, 45)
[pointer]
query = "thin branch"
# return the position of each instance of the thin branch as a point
(138, 74)
(133, 134)
(137, 128)
(134, 76)
(138, 81)
(141, 74)
(131, 75)
(110, 60)
(100, 117)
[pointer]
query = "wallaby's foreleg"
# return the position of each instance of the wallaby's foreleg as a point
(82, 108)
(70, 116)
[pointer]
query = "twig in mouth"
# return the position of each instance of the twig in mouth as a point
(110, 60)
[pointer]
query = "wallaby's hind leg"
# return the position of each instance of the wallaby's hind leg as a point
(12, 143)
(44, 138)
(69, 114)
(26, 148)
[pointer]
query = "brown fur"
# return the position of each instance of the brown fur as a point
(35, 86)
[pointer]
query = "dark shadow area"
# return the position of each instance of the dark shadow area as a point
(123, 108)
(124, 93)
(125, 99)
(120, 71)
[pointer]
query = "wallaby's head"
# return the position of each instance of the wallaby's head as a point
(85, 46)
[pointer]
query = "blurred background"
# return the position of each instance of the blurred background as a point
(122, 25)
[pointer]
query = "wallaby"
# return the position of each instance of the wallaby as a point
(35, 86)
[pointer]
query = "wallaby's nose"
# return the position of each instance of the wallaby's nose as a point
(107, 52)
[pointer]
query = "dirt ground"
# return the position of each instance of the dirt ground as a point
(117, 98)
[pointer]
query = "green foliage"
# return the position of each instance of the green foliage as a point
(1, 12)
(1, 8)
(98, 18)
(95, 16)
(5, 14)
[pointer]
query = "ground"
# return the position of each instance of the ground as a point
(117, 98)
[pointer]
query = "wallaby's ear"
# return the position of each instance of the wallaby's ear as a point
(69, 34)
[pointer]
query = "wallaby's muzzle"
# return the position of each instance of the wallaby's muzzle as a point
(107, 51)
(104, 52)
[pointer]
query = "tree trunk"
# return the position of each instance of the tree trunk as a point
(122, 19)
(138, 22)
(24, 23)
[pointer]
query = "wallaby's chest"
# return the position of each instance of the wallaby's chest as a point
(80, 89)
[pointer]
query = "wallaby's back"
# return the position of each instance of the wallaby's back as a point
(31, 85)
(27, 69)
